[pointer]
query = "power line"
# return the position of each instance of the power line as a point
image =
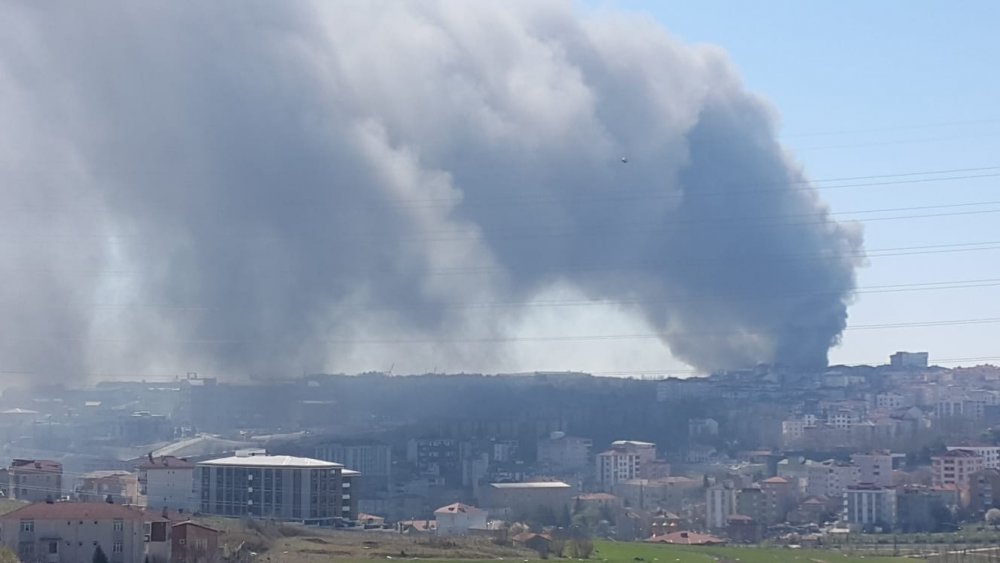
(566, 338)
(906, 178)
(892, 128)
(875, 289)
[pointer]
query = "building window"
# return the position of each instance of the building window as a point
(119, 524)
(27, 525)
(118, 547)
(53, 547)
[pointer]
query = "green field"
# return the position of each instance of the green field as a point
(628, 552)
(616, 552)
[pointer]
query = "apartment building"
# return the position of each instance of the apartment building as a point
(255, 484)
(70, 532)
(35, 480)
(562, 453)
(990, 454)
(720, 505)
(167, 482)
(955, 467)
(868, 506)
(874, 468)
(623, 462)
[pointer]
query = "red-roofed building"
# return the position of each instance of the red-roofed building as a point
(457, 519)
(69, 532)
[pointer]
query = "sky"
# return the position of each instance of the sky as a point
(324, 187)
(874, 88)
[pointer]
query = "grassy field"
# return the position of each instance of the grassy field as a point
(612, 552)
(352, 548)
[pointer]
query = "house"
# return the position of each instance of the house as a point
(458, 519)
(541, 543)
(35, 480)
(193, 543)
(687, 538)
(167, 482)
(416, 526)
(70, 532)
(664, 522)
(156, 535)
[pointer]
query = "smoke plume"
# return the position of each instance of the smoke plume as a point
(263, 187)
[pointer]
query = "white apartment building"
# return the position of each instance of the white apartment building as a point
(831, 478)
(874, 468)
(623, 462)
(281, 487)
(990, 454)
(870, 505)
(167, 482)
(721, 501)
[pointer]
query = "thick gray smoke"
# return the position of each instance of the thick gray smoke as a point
(262, 187)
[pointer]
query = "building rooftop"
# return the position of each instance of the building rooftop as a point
(457, 508)
(166, 462)
(36, 465)
(686, 538)
(532, 485)
(624, 443)
(105, 474)
(272, 461)
(195, 524)
(73, 511)
(958, 453)
(604, 497)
